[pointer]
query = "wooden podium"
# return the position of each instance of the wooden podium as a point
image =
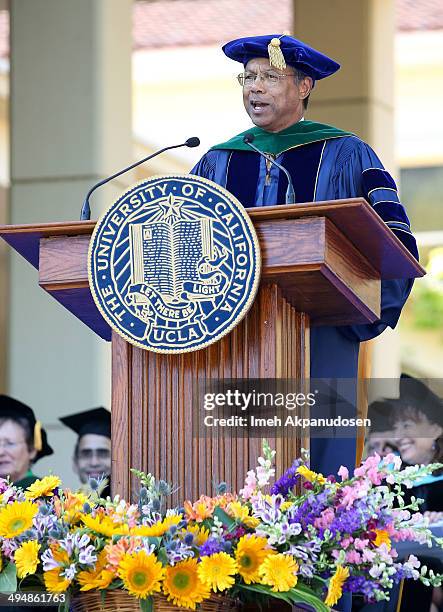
(322, 265)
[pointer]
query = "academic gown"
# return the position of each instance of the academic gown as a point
(327, 165)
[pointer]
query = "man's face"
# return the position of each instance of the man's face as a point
(274, 106)
(93, 457)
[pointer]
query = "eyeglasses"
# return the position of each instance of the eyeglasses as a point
(88, 453)
(271, 79)
(8, 445)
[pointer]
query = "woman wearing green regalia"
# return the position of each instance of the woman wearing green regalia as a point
(22, 442)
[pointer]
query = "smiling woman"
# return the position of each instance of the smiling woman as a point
(22, 441)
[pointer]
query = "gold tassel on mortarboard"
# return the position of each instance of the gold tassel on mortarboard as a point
(38, 436)
(276, 57)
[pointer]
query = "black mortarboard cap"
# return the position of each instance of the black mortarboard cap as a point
(95, 421)
(14, 409)
(418, 395)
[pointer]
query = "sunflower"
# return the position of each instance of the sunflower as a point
(141, 573)
(16, 518)
(335, 589)
(104, 525)
(250, 554)
(55, 583)
(97, 578)
(157, 529)
(43, 488)
(241, 513)
(182, 585)
(279, 572)
(218, 571)
(310, 475)
(382, 537)
(26, 558)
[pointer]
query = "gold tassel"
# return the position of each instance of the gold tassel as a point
(275, 54)
(38, 445)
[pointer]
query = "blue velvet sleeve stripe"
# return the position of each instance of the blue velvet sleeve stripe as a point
(381, 194)
(374, 178)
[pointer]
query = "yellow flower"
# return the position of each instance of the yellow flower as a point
(55, 583)
(250, 554)
(104, 525)
(201, 534)
(43, 488)
(97, 578)
(310, 475)
(382, 537)
(141, 573)
(16, 518)
(26, 558)
(335, 585)
(218, 571)
(279, 571)
(182, 585)
(241, 513)
(157, 529)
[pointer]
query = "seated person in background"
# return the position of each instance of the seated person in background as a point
(417, 421)
(380, 436)
(92, 452)
(22, 442)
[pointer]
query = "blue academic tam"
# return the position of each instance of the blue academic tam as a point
(295, 52)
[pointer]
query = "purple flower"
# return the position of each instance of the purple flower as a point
(360, 584)
(210, 547)
(288, 481)
(87, 556)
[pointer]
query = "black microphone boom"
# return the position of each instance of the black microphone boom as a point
(290, 193)
(86, 210)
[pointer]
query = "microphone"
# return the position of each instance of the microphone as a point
(290, 193)
(86, 211)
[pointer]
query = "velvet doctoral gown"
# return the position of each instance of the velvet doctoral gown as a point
(325, 164)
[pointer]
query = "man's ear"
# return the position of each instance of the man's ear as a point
(305, 87)
(33, 454)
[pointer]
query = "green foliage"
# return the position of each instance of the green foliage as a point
(427, 307)
(8, 579)
(293, 596)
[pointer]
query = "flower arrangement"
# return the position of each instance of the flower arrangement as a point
(261, 543)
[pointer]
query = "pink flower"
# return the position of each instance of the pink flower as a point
(373, 461)
(352, 556)
(250, 485)
(343, 472)
(346, 542)
(351, 493)
(325, 519)
(375, 476)
(394, 459)
(360, 544)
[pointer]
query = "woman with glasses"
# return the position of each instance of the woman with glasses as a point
(22, 442)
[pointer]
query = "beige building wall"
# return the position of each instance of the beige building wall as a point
(359, 98)
(70, 127)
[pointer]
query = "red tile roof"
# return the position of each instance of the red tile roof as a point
(170, 23)
(161, 23)
(419, 14)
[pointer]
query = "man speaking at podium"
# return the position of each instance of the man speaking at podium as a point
(324, 163)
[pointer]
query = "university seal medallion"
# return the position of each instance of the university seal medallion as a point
(174, 263)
